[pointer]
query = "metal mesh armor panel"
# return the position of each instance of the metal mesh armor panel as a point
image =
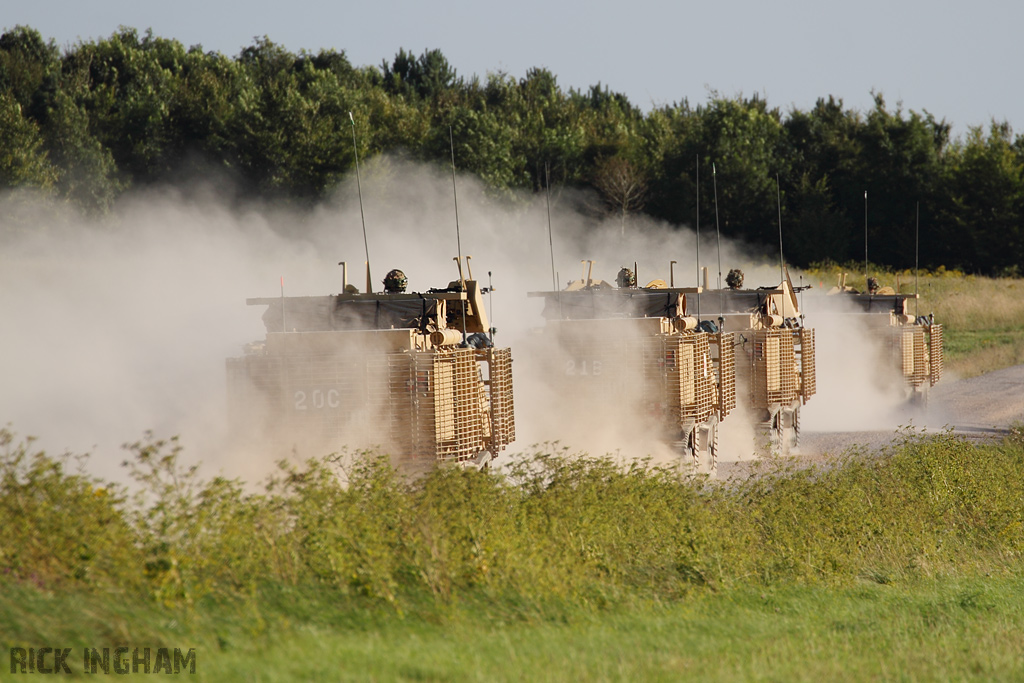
(323, 402)
(774, 377)
(913, 357)
(808, 371)
(935, 353)
(682, 365)
(502, 403)
(672, 376)
(726, 349)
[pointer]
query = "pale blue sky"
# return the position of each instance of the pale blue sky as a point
(958, 60)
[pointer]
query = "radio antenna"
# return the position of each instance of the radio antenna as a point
(551, 244)
(866, 241)
(718, 234)
(782, 259)
(917, 262)
(718, 237)
(455, 192)
(362, 216)
(458, 235)
(697, 234)
(490, 300)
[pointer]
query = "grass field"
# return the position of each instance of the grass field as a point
(905, 565)
(939, 629)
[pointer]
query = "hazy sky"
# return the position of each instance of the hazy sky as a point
(956, 60)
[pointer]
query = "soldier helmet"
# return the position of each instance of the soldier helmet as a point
(734, 279)
(395, 281)
(625, 278)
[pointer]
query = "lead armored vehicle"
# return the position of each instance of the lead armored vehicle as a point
(414, 374)
(638, 352)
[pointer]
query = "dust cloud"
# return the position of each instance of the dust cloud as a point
(860, 385)
(117, 325)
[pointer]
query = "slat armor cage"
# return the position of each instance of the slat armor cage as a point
(914, 358)
(681, 366)
(726, 349)
(782, 366)
(917, 350)
(808, 376)
(935, 353)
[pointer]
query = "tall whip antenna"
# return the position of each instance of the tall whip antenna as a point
(718, 234)
(917, 261)
(455, 192)
(697, 232)
(782, 258)
(866, 239)
(458, 235)
(551, 244)
(362, 216)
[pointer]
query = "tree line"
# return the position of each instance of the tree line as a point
(87, 123)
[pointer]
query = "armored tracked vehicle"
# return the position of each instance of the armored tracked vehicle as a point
(414, 374)
(638, 351)
(913, 343)
(775, 359)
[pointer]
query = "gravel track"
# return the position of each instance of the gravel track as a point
(980, 408)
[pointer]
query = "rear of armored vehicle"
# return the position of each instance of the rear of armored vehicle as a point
(378, 372)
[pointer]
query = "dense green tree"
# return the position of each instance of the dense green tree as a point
(480, 144)
(549, 131)
(105, 115)
(291, 123)
(425, 76)
(813, 230)
(128, 86)
(899, 165)
(23, 160)
(741, 140)
(823, 146)
(984, 203)
(26, 61)
(88, 172)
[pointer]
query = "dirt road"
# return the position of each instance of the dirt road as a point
(979, 408)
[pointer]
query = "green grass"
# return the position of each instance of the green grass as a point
(933, 631)
(937, 629)
(901, 565)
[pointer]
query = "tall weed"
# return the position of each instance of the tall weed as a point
(554, 530)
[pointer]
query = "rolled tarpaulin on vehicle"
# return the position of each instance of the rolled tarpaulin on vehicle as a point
(446, 337)
(685, 324)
